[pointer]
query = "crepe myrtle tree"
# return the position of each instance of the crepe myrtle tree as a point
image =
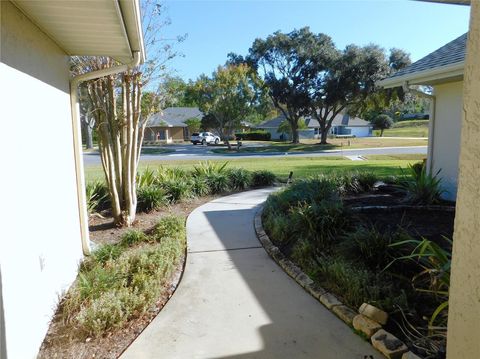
(115, 102)
(226, 98)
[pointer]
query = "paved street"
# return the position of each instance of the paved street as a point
(201, 153)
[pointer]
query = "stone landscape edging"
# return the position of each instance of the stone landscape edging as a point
(329, 300)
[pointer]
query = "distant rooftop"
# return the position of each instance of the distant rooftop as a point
(174, 117)
(339, 120)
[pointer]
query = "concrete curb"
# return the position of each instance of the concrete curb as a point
(329, 300)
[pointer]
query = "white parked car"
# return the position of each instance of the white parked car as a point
(205, 138)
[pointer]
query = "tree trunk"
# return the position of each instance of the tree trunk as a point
(381, 132)
(323, 137)
(88, 137)
(120, 136)
(294, 126)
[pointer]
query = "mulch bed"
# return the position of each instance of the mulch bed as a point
(62, 342)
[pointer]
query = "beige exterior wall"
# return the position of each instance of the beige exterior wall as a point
(40, 244)
(464, 306)
(171, 134)
(445, 135)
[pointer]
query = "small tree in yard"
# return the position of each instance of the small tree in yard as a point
(226, 98)
(193, 124)
(120, 114)
(382, 122)
(285, 126)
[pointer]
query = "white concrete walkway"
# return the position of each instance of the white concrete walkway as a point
(235, 302)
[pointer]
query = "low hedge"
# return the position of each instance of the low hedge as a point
(254, 136)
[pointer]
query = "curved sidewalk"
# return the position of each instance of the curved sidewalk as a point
(235, 302)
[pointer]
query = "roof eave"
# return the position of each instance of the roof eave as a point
(133, 24)
(436, 75)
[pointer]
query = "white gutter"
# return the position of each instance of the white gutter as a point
(77, 140)
(426, 76)
(431, 123)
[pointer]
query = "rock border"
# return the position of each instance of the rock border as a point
(329, 300)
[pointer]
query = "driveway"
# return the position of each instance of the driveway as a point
(202, 153)
(235, 302)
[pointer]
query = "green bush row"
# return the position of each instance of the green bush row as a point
(254, 136)
(157, 188)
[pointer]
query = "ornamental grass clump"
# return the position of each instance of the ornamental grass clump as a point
(97, 196)
(122, 281)
(420, 187)
(151, 197)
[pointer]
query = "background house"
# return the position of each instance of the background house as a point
(343, 124)
(443, 70)
(169, 124)
(271, 126)
(42, 185)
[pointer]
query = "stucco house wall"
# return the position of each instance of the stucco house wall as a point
(168, 134)
(41, 245)
(445, 136)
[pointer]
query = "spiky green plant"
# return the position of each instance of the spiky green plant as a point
(151, 198)
(422, 188)
(97, 196)
(209, 168)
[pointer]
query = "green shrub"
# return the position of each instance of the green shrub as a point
(239, 178)
(177, 189)
(321, 223)
(433, 278)
(422, 188)
(120, 283)
(278, 227)
(146, 178)
(303, 255)
(263, 178)
(133, 237)
(218, 182)
(311, 190)
(169, 227)
(106, 252)
(150, 198)
(254, 136)
(371, 246)
(97, 195)
(206, 168)
(357, 284)
(200, 186)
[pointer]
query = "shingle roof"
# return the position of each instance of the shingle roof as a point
(174, 116)
(339, 120)
(451, 53)
(273, 123)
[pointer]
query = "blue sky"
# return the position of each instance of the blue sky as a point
(216, 28)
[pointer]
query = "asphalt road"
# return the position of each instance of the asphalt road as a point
(201, 153)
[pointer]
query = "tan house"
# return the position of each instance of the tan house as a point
(442, 70)
(169, 125)
(44, 221)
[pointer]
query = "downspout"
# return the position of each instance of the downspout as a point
(77, 140)
(431, 124)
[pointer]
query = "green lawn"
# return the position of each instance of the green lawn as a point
(334, 143)
(301, 166)
(416, 128)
